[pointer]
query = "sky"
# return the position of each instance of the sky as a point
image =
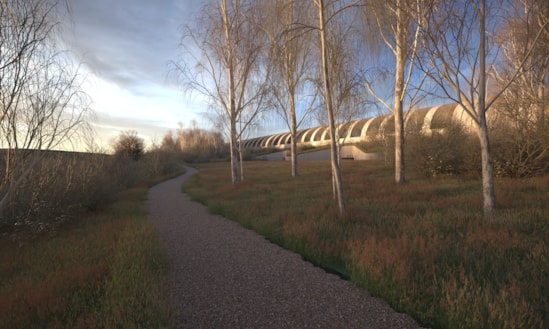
(124, 48)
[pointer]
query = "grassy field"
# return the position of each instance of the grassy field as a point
(424, 247)
(102, 271)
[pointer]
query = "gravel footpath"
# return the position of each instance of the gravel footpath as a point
(224, 276)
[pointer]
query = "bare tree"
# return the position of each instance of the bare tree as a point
(348, 93)
(168, 143)
(347, 87)
(292, 58)
(130, 145)
(399, 26)
(226, 47)
(515, 39)
(325, 15)
(195, 141)
(523, 106)
(456, 60)
(521, 78)
(41, 103)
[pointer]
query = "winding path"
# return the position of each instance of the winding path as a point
(224, 276)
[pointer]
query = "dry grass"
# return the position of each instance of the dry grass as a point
(102, 271)
(424, 247)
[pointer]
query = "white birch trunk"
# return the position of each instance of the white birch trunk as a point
(234, 154)
(488, 190)
(293, 145)
(336, 173)
(232, 101)
(400, 54)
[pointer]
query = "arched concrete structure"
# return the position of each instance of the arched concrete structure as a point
(372, 130)
(287, 139)
(387, 126)
(259, 142)
(324, 132)
(306, 135)
(427, 120)
(267, 141)
(354, 129)
(277, 139)
(365, 127)
(316, 135)
(299, 135)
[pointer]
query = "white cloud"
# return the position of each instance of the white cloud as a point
(125, 46)
(151, 113)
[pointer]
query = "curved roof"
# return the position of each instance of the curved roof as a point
(425, 119)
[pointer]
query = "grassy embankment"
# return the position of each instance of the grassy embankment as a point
(102, 271)
(424, 247)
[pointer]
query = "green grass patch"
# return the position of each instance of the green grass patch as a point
(424, 247)
(104, 270)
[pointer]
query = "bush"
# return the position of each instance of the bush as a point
(517, 151)
(520, 151)
(448, 151)
(195, 145)
(442, 152)
(130, 145)
(64, 184)
(59, 186)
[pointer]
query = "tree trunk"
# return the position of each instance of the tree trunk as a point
(234, 153)
(293, 130)
(541, 125)
(336, 174)
(291, 82)
(338, 156)
(241, 159)
(399, 89)
(400, 169)
(232, 102)
(488, 191)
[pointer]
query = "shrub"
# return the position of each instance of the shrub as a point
(64, 184)
(61, 185)
(442, 152)
(520, 150)
(195, 144)
(130, 145)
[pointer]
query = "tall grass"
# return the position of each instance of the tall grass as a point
(102, 271)
(424, 247)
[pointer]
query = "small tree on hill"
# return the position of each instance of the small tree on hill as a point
(129, 144)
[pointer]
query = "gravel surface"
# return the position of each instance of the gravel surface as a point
(224, 276)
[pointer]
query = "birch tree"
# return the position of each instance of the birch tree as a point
(399, 25)
(42, 106)
(292, 57)
(225, 48)
(347, 88)
(325, 15)
(458, 57)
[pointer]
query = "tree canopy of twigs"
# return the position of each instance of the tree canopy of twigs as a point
(42, 105)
